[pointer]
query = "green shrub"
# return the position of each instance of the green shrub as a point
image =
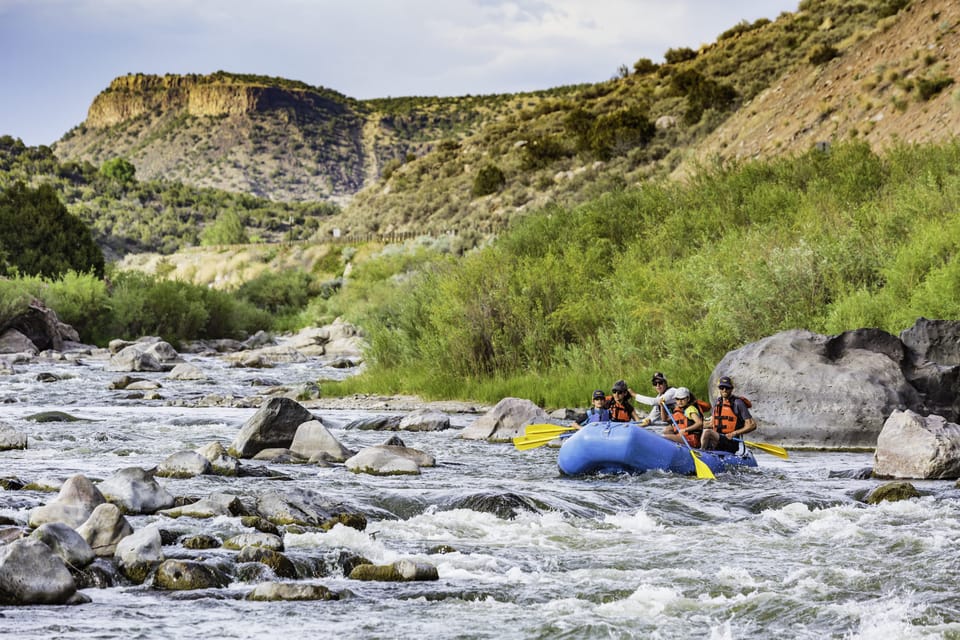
(821, 53)
(278, 292)
(678, 55)
(488, 180)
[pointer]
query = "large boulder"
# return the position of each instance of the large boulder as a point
(389, 460)
(914, 446)
(32, 573)
(505, 421)
(273, 426)
(77, 499)
(811, 390)
(933, 347)
(135, 490)
(314, 441)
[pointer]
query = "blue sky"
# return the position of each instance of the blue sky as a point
(57, 55)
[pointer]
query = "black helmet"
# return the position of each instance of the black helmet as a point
(620, 386)
(599, 395)
(659, 377)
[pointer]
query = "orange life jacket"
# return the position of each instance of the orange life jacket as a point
(725, 419)
(621, 412)
(683, 422)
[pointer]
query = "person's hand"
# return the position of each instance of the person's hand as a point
(645, 422)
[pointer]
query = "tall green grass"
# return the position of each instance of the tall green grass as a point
(672, 276)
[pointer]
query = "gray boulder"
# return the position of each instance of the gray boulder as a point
(182, 575)
(138, 553)
(31, 573)
(104, 529)
(221, 462)
(272, 426)
(811, 390)
(270, 591)
(914, 446)
(425, 420)
(389, 460)
(505, 421)
(135, 490)
(184, 464)
(66, 543)
(77, 499)
(313, 441)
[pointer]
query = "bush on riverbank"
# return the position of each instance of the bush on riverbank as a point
(672, 276)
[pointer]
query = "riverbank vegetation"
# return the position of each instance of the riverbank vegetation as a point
(672, 276)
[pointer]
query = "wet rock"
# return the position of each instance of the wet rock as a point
(272, 426)
(104, 529)
(258, 539)
(31, 573)
(258, 523)
(138, 553)
(505, 421)
(135, 490)
(186, 371)
(75, 503)
(64, 541)
(53, 416)
(182, 575)
(375, 423)
(279, 456)
(280, 564)
(425, 420)
(502, 505)
(272, 591)
(313, 440)
(892, 492)
(201, 541)
(913, 446)
(221, 462)
(184, 464)
(216, 504)
(400, 571)
(385, 460)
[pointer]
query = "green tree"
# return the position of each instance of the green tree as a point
(38, 236)
(228, 228)
(119, 170)
(489, 179)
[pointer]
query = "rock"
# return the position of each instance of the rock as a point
(913, 446)
(201, 541)
(280, 564)
(182, 575)
(313, 440)
(892, 492)
(258, 539)
(184, 464)
(66, 543)
(74, 504)
(104, 529)
(216, 504)
(934, 349)
(374, 423)
(279, 456)
(505, 421)
(221, 463)
(425, 420)
(186, 371)
(12, 341)
(31, 573)
(135, 490)
(11, 439)
(386, 460)
(272, 426)
(810, 390)
(271, 591)
(138, 553)
(400, 571)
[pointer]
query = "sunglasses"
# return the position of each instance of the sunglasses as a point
(723, 386)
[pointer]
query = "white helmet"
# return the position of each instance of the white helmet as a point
(681, 392)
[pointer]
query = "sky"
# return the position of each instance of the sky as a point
(57, 55)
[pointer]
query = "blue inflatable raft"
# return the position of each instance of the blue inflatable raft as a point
(618, 447)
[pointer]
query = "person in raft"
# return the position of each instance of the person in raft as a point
(664, 397)
(598, 412)
(731, 419)
(621, 409)
(688, 417)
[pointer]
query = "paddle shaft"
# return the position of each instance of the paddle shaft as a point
(703, 471)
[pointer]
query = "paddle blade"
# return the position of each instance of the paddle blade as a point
(772, 449)
(532, 442)
(544, 429)
(703, 471)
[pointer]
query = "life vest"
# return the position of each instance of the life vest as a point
(597, 415)
(621, 412)
(725, 419)
(683, 422)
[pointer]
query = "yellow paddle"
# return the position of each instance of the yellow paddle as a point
(772, 449)
(532, 442)
(543, 429)
(703, 471)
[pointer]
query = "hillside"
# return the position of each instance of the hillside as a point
(269, 137)
(895, 84)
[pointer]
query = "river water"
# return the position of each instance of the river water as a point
(787, 550)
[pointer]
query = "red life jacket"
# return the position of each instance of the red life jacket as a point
(725, 419)
(683, 422)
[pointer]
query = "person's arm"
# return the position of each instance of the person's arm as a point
(749, 424)
(693, 416)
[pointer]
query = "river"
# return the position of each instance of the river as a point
(788, 550)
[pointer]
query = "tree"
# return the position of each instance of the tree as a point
(228, 228)
(39, 237)
(119, 170)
